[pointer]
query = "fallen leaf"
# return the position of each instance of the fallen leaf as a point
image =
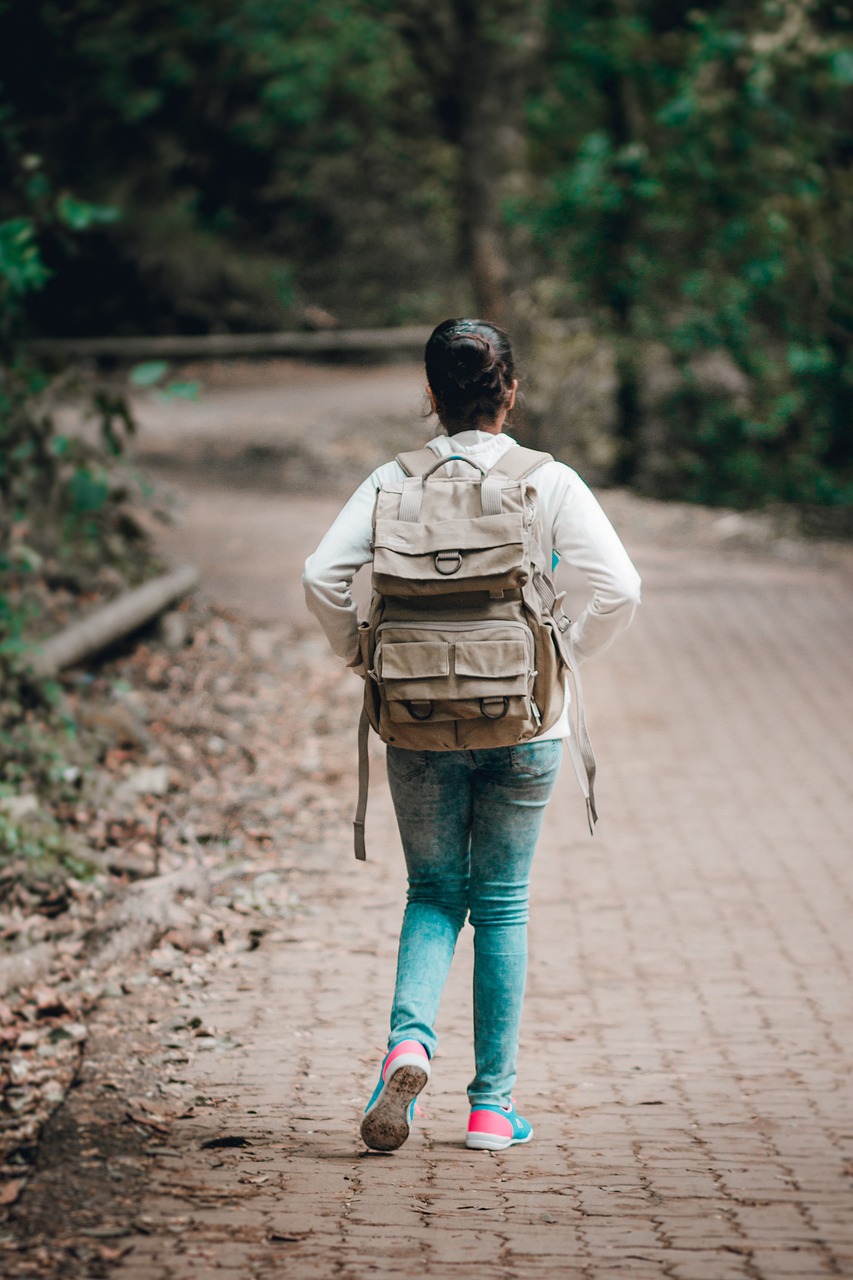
(112, 1255)
(30, 1037)
(49, 1003)
(148, 1122)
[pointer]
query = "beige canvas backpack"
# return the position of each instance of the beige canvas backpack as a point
(466, 643)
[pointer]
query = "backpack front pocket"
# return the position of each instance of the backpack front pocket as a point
(455, 671)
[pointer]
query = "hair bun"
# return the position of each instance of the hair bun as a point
(473, 356)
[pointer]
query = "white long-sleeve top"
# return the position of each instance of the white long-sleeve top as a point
(579, 530)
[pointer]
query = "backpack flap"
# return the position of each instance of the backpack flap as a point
(440, 557)
(434, 535)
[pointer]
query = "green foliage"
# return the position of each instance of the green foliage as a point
(262, 153)
(701, 197)
(58, 498)
(79, 215)
(689, 178)
(152, 373)
(21, 267)
(37, 747)
(149, 373)
(47, 478)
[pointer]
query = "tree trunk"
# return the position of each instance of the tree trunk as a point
(501, 41)
(111, 622)
(477, 58)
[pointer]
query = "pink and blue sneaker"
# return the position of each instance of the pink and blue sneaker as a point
(387, 1120)
(494, 1128)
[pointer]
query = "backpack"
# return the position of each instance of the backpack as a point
(466, 643)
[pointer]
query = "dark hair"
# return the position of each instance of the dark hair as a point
(470, 368)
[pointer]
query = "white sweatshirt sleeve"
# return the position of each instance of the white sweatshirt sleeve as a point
(329, 572)
(585, 538)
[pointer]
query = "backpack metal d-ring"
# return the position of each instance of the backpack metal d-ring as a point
(487, 703)
(448, 562)
(419, 714)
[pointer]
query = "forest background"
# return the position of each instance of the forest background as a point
(655, 197)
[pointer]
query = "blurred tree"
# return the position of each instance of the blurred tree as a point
(477, 59)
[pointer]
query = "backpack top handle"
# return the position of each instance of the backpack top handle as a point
(442, 462)
(413, 489)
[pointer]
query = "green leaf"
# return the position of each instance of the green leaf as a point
(809, 359)
(21, 266)
(149, 373)
(183, 391)
(841, 67)
(24, 451)
(80, 215)
(52, 691)
(89, 491)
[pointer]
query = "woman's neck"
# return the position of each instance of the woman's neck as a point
(493, 428)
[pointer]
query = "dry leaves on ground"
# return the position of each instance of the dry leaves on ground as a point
(217, 771)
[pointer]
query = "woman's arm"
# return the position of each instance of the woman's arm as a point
(329, 572)
(585, 538)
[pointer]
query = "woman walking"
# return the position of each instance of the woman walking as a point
(469, 819)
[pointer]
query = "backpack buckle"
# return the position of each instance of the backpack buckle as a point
(448, 562)
(487, 706)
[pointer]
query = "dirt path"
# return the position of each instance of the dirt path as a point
(686, 1045)
(263, 462)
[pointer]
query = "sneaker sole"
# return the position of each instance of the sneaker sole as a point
(485, 1142)
(385, 1127)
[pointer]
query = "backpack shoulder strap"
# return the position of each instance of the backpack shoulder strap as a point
(518, 462)
(416, 461)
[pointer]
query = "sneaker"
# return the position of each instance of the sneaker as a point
(387, 1120)
(492, 1128)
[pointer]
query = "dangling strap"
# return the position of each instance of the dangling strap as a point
(577, 743)
(580, 747)
(363, 783)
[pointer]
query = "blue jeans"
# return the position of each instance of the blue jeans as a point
(469, 821)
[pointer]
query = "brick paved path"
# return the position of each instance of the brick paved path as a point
(686, 1050)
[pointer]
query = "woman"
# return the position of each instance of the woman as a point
(469, 819)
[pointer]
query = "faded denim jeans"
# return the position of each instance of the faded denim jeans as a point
(469, 821)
